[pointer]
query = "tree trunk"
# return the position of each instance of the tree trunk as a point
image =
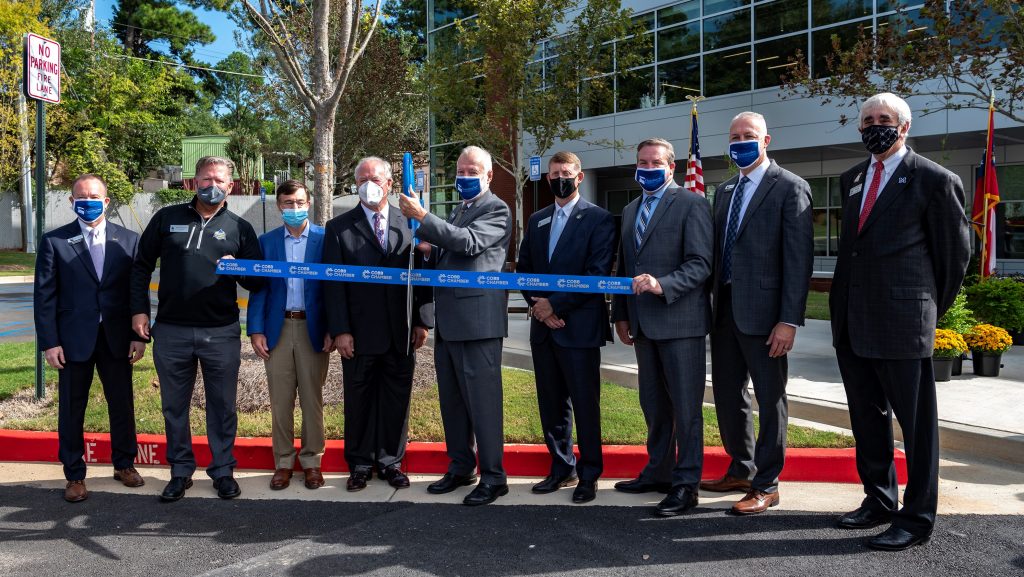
(323, 165)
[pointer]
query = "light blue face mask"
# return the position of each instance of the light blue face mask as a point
(745, 153)
(651, 179)
(469, 186)
(88, 209)
(294, 217)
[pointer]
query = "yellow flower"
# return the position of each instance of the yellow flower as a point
(949, 344)
(988, 339)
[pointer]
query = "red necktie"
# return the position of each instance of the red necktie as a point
(869, 202)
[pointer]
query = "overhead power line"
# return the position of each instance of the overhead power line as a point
(177, 65)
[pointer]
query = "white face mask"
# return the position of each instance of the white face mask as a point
(371, 193)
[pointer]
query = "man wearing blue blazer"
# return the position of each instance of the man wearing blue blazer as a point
(81, 286)
(288, 330)
(570, 237)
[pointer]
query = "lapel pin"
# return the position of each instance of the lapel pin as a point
(903, 180)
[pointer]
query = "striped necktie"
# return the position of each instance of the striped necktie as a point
(645, 218)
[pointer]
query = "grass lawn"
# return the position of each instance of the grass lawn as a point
(817, 306)
(17, 368)
(622, 420)
(17, 263)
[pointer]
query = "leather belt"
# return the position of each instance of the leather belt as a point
(295, 314)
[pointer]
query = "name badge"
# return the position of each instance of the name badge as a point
(75, 239)
(544, 222)
(179, 228)
(856, 189)
(729, 187)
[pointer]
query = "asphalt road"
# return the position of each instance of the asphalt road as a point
(16, 322)
(117, 534)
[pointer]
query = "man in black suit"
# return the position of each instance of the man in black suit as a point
(81, 287)
(367, 322)
(903, 253)
(567, 331)
(764, 250)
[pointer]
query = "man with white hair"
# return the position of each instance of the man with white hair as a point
(469, 326)
(903, 252)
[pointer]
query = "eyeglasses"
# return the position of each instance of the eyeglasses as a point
(294, 203)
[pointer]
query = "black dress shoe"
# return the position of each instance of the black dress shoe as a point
(485, 494)
(357, 480)
(552, 483)
(450, 482)
(395, 477)
(864, 518)
(227, 487)
(896, 539)
(641, 485)
(176, 489)
(680, 500)
(585, 492)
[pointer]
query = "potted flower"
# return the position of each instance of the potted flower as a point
(959, 319)
(987, 344)
(949, 345)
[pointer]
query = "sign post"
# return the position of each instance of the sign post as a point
(42, 84)
(535, 176)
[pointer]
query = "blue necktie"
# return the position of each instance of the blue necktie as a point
(556, 231)
(645, 218)
(730, 231)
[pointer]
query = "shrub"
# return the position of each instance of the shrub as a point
(168, 196)
(959, 318)
(998, 301)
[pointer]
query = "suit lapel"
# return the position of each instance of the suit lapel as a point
(313, 242)
(659, 211)
(629, 220)
(363, 226)
(851, 203)
(722, 202)
(544, 232)
(81, 249)
(900, 179)
(397, 227)
(113, 241)
(766, 184)
(574, 217)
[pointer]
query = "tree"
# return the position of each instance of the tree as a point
(959, 56)
(408, 19)
(17, 17)
(485, 87)
(139, 23)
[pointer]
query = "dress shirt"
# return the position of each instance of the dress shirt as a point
(889, 165)
(295, 251)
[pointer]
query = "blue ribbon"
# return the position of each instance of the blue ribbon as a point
(428, 277)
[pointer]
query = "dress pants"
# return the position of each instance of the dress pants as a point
(294, 367)
(378, 389)
(734, 356)
(469, 390)
(568, 382)
(73, 384)
(671, 378)
(177, 351)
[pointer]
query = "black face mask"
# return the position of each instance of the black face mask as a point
(878, 139)
(563, 187)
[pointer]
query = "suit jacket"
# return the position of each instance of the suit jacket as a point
(70, 297)
(374, 314)
(473, 239)
(585, 247)
(677, 249)
(265, 314)
(901, 273)
(773, 254)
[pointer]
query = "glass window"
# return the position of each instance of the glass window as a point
(679, 13)
(677, 80)
(1009, 230)
(616, 200)
(443, 39)
(446, 11)
(775, 57)
(819, 192)
(442, 163)
(829, 11)
(635, 89)
(715, 6)
(727, 29)
(779, 17)
(679, 41)
(596, 96)
(1011, 181)
(645, 20)
(835, 194)
(821, 41)
(727, 71)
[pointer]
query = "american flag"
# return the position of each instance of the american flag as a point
(694, 171)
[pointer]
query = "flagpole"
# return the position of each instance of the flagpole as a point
(984, 188)
(693, 112)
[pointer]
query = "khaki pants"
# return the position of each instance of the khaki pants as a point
(294, 367)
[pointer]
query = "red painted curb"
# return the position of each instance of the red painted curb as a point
(620, 461)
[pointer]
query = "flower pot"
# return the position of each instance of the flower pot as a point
(943, 367)
(986, 364)
(958, 366)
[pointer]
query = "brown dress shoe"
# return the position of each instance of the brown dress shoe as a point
(314, 478)
(357, 480)
(725, 484)
(281, 479)
(75, 491)
(129, 477)
(756, 501)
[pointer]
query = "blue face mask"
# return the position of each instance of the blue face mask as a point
(294, 217)
(651, 179)
(745, 153)
(88, 209)
(469, 186)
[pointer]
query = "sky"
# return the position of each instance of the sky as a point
(222, 28)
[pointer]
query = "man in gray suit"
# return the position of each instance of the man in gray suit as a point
(667, 248)
(764, 250)
(469, 326)
(903, 253)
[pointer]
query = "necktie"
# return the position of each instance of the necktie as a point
(378, 227)
(732, 228)
(645, 218)
(869, 200)
(96, 252)
(556, 231)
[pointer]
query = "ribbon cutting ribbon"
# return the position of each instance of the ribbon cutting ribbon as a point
(428, 277)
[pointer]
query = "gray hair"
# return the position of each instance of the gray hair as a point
(890, 101)
(658, 142)
(378, 160)
(755, 116)
(215, 161)
(483, 155)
